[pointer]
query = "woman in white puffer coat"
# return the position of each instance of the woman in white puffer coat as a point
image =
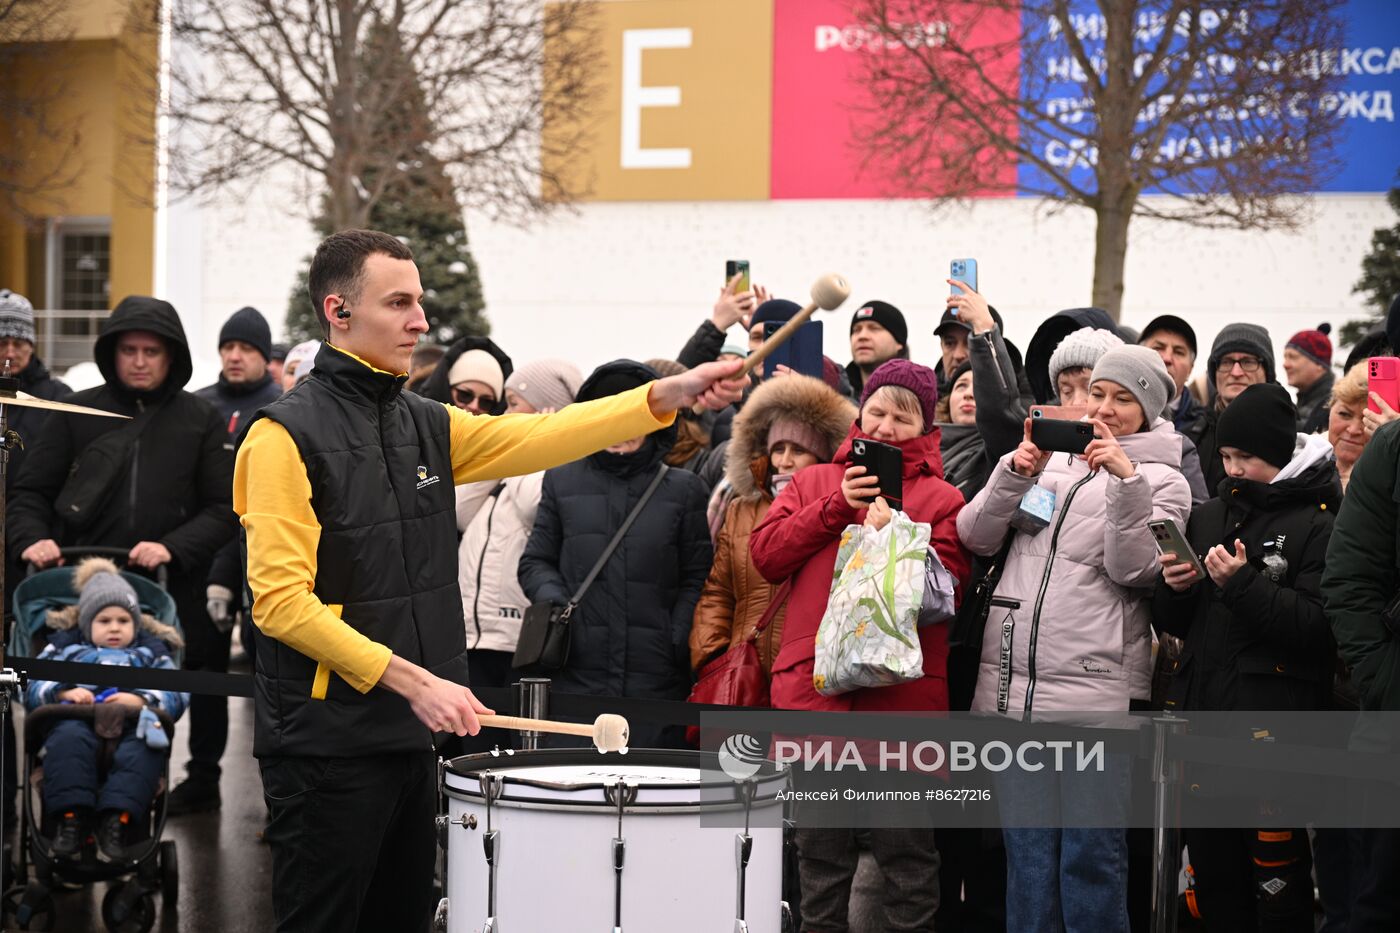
(1069, 629)
(495, 518)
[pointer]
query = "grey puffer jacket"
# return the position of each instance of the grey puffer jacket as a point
(1069, 625)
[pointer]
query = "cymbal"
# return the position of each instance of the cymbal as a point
(25, 400)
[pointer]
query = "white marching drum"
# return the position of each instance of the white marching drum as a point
(566, 839)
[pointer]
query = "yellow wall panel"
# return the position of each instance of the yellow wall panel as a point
(693, 78)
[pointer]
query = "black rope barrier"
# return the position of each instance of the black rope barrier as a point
(1201, 749)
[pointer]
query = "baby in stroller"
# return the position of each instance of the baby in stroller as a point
(105, 627)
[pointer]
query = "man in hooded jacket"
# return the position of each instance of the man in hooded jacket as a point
(158, 486)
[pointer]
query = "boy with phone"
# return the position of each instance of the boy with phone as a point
(1256, 636)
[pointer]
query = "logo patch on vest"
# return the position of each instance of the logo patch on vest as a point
(424, 480)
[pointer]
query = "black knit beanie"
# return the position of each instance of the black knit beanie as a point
(1261, 421)
(887, 316)
(249, 326)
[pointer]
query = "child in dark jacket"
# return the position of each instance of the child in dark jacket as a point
(1256, 636)
(108, 618)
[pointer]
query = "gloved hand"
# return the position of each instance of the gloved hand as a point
(148, 727)
(218, 602)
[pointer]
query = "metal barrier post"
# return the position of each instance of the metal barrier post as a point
(532, 700)
(1167, 779)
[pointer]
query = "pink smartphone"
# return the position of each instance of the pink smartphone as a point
(1383, 378)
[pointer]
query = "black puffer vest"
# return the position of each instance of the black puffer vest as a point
(380, 466)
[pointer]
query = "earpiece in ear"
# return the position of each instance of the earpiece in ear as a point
(342, 312)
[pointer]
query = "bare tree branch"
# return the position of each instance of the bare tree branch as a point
(1229, 112)
(290, 82)
(41, 156)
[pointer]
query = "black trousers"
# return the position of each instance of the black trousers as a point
(353, 844)
(1377, 882)
(206, 649)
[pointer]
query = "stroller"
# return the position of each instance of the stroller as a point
(152, 865)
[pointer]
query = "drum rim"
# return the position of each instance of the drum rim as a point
(465, 766)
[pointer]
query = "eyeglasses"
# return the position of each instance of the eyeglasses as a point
(1247, 364)
(464, 397)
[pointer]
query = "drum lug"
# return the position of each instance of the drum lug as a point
(440, 917)
(785, 921)
(741, 926)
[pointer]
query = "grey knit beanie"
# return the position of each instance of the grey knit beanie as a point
(16, 316)
(101, 590)
(1141, 371)
(546, 383)
(1243, 338)
(1082, 347)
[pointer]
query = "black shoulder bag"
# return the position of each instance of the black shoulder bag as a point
(971, 620)
(95, 471)
(544, 634)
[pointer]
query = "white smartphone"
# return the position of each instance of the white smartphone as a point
(1170, 540)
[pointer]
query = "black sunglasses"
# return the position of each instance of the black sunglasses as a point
(464, 397)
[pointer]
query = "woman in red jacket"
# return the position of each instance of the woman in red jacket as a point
(799, 539)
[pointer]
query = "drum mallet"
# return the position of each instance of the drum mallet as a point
(608, 731)
(828, 292)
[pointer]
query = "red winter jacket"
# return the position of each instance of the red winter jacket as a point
(801, 535)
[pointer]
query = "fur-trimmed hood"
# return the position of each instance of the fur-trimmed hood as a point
(67, 618)
(797, 398)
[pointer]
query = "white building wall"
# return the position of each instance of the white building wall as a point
(635, 279)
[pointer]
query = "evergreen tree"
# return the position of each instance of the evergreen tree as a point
(1380, 269)
(1380, 275)
(419, 206)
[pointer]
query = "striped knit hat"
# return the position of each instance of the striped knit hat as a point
(16, 316)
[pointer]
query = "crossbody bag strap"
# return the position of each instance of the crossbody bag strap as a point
(779, 598)
(612, 545)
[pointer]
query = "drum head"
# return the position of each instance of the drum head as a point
(651, 778)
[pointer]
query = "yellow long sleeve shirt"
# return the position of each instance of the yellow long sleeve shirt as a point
(272, 496)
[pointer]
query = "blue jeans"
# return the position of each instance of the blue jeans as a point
(1066, 863)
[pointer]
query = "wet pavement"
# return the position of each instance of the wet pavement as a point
(225, 871)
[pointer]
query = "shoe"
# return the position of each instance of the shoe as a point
(69, 838)
(194, 795)
(111, 835)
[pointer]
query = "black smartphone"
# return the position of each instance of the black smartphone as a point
(802, 353)
(739, 267)
(885, 462)
(1055, 434)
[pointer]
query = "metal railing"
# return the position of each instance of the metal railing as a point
(65, 338)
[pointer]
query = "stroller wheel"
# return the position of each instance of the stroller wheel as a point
(31, 907)
(169, 873)
(129, 909)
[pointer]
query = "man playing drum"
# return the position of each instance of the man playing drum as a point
(345, 491)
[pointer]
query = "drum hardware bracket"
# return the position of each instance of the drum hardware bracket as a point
(620, 795)
(491, 787)
(466, 821)
(743, 848)
(440, 917)
(785, 920)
